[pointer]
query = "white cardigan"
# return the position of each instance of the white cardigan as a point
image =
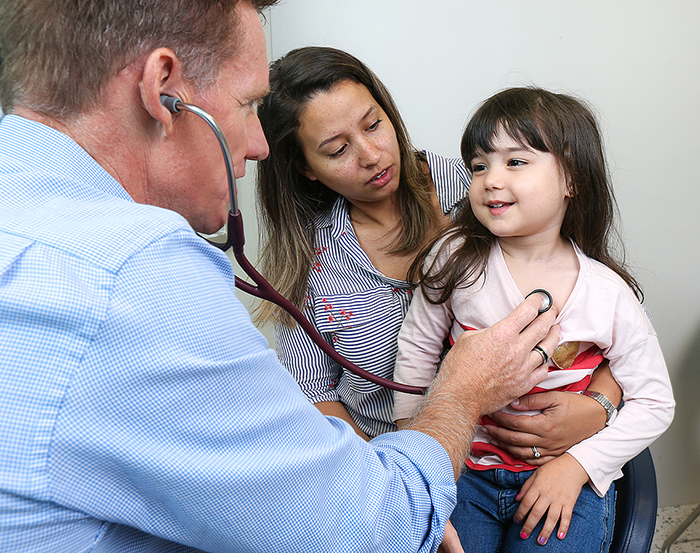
(601, 311)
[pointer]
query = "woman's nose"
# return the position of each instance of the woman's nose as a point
(369, 154)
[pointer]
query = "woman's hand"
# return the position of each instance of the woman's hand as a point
(552, 490)
(566, 420)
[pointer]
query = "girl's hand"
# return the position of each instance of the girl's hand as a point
(552, 489)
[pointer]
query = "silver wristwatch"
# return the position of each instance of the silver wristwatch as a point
(610, 409)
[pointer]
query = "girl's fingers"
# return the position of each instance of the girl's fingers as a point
(549, 524)
(536, 513)
(564, 523)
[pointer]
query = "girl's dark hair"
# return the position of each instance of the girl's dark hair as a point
(563, 126)
(288, 202)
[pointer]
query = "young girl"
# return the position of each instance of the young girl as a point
(541, 217)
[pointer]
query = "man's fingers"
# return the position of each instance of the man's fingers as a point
(545, 347)
(527, 311)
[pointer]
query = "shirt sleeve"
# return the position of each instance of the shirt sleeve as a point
(315, 372)
(638, 366)
(421, 341)
(180, 422)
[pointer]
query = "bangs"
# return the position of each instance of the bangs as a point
(520, 119)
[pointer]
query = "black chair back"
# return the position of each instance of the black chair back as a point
(635, 511)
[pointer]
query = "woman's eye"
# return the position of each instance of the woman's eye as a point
(374, 125)
(338, 152)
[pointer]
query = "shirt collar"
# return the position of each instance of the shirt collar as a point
(451, 178)
(59, 154)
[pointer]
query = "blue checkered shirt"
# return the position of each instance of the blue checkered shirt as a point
(141, 411)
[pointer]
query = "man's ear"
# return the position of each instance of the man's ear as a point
(161, 75)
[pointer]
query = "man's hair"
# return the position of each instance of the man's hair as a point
(58, 54)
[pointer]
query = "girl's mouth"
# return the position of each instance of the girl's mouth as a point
(498, 208)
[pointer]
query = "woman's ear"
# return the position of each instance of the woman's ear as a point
(161, 75)
(570, 187)
(303, 169)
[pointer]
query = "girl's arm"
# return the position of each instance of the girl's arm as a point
(420, 342)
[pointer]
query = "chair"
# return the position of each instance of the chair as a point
(635, 512)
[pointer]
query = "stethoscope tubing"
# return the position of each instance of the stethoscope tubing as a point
(262, 289)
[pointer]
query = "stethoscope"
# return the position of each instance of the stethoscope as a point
(264, 290)
(235, 239)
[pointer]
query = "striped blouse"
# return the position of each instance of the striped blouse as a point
(358, 310)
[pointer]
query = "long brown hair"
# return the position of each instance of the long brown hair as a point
(58, 55)
(563, 126)
(288, 202)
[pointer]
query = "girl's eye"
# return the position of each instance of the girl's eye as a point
(478, 167)
(338, 152)
(516, 162)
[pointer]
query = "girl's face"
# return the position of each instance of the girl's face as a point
(518, 192)
(349, 144)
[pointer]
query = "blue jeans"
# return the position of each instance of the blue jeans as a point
(486, 506)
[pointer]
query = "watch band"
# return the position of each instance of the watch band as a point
(610, 409)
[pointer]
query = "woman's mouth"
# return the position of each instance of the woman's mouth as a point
(382, 178)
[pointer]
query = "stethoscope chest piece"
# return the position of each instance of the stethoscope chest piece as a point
(547, 300)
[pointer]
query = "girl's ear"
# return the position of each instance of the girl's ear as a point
(304, 169)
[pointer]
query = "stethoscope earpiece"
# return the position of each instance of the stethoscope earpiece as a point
(547, 301)
(170, 103)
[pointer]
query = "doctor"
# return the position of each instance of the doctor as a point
(139, 408)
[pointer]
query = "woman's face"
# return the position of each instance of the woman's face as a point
(349, 144)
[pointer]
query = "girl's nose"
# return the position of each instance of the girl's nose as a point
(493, 180)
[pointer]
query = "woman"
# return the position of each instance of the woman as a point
(346, 205)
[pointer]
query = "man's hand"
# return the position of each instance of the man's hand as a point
(483, 372)
(499, 364)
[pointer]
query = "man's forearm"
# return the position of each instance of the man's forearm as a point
(450, 419)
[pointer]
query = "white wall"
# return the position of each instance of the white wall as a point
(636, 61)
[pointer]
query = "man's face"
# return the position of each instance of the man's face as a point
(195, 185)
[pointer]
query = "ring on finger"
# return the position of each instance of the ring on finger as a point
(543, 353)
(536, 453)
